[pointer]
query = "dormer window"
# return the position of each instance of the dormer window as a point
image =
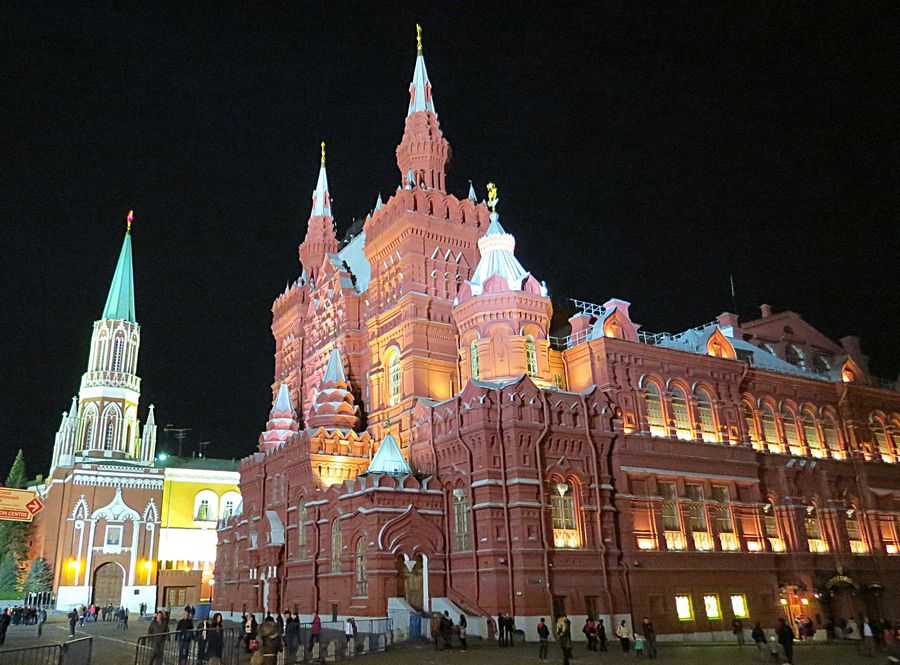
(531, 356)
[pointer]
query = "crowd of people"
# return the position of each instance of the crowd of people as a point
(95, 613)
(22, 616)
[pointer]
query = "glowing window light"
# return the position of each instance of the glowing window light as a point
(739, 606)
(711, 605)
(646, 543)
(683, 608)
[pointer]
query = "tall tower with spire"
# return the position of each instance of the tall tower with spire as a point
(320, 236)
(102, 421)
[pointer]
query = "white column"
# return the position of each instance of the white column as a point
(135, 525)
(426, 598)
(90, 554)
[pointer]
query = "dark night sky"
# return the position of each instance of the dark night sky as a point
(642, 153)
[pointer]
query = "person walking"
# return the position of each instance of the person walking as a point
(868, 635)
(446, 629)
(638, 645)
(501, 626)
(543, 633)
(649, 635)
(590, 632)
(291, 636)
(463, 626)
(157, 629)
(623, 632)
(185, 634)
(41, 620)
(249, 629)
(215, 640)
(5, 620)
(564, 637)
(348, 632)
(601, 635)
(737, 627)
(73, 621)
(202, 637)
(124, 618)
(315, 631)
(785, 636)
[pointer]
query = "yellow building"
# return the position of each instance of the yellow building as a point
(196, 494)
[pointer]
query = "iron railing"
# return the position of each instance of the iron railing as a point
(372, 635)
(189, 647)
(73, 652)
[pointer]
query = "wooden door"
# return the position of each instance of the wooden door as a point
(108, 581)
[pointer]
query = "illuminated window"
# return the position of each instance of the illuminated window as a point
(474, 359)
(854, 533)
(228, 511)
(829, 431)
(562, 508)
(707, 419)
(680, 414)
(697, 507)
(813, 531)
(882, 441)
(203, 511)
(118, 351)
(671, 516)
(770, 431)
(301, 527)
(791, 433)
(531, 356)
(362, 574)
(750, 423)
(557, 381)
(88, 433)
(684, 608)
(655, 411)
(110, 435)
(711, 605)
(811, 432)
(723, 520)
(739, 606)
(460, 520)
(336, 544)
(393, 378)
(770, 524)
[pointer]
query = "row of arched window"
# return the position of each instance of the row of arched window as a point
(531, 360)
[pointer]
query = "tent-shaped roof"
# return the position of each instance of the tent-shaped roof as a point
(389, 459)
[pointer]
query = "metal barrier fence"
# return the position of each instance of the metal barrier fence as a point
(74, 652)
(188, 647)
(372, 635)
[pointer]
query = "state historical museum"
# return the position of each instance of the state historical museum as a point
(432, 447)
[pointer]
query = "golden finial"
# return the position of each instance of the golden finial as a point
(387, 425)
(128, 219)
(493, 199)
(323, 153)
(418, 38)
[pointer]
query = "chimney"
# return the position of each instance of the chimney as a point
(580, 322)
(727, 320)
(617, 303)
(851, 346)
(766, 311)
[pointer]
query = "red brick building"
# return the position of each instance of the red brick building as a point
(432, 447)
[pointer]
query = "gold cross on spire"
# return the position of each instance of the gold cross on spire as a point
(128, 219)
(493, 199)
(323, 153)
(418, 38)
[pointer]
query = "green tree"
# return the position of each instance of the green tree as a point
(14, 536)
(40, 577)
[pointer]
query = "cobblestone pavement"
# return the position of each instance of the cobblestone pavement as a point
(116, 647)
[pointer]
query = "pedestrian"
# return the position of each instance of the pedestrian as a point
(491, 628)
(5, 619)
(446, 629)
(868, 635)
(348, 631)
(501, 626)
(463, 626)
(215, 640)
(269, 643)
(41, 620)
(315, 631)
(639, 645)
(543, 638)
(202, 637)
(291, 636)
(436, 629)
(124, 618)
(249, 629)
(590, 632)
(649, 635)
(157, 629)
(185, 634)
(601, 635)
(785, 637)
(737, 627)
(73, 620)
(564, 637)
(623, 632)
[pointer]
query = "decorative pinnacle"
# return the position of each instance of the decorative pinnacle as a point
(387, 425)
(493, 199)
(128, 219)
(323, 153)
(418, 38)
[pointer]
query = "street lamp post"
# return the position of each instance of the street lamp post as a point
(212, 587)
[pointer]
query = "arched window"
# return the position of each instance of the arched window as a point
(228, 510)
(206, 503)
(460, 520)
(814, 531)
(770, 431)
(302, 517)
(707, 417)
(882, 440)
(854, 533)
(829, 432)
(473, 357)
(110, 437)
(118, 353)
(794, 355)
(203, 511)
(791, 433)
(770, 524)
(88, 441)
(821, 363)
(750, 423)
(393, 377)
(362, 575)
(565, 523)
(811, 433)
(655, 418)
(531, 356)
(336, 545)
(680, 414)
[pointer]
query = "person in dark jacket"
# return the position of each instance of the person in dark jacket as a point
(215, 640)
(649, 638)
(446, 628)
(786, 639)
(758, 635)
(5, 619)
(601, 635)
(73, 621)
(269, 643)
(158, 627)
(291, 636)
(564, 637)
(248, 630)
(185, 630)
(543, 632)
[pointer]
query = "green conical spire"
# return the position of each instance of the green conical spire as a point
(120, 301)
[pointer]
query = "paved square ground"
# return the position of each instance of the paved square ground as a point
(117, 647)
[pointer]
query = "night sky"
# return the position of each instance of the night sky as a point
(644, 153)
